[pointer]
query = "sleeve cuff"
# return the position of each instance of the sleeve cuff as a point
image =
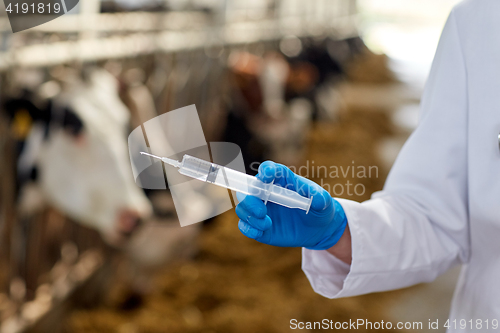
(327, 274)
(374, 268)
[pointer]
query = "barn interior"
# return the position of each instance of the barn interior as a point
(316, 85)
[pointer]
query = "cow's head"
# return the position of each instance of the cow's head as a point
(82, 160)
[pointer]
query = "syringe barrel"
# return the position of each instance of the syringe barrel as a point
(241, 182)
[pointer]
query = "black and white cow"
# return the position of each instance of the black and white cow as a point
(76, 151)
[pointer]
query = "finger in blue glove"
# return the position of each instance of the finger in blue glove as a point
(276, 225)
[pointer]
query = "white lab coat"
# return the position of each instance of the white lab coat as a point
(440, 205)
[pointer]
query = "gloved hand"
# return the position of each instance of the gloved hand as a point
(276, 225)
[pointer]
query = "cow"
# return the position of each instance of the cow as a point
(76, 150)
(73, 156)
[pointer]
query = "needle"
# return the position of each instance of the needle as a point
(167, 160)
(158, 157)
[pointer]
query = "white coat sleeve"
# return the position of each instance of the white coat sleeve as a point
(417, 227)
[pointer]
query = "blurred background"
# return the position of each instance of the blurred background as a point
(304, 83)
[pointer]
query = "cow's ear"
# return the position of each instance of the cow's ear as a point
(15, 105)
(9, 107)
(20, 114)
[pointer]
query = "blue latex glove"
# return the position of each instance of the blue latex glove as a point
(273, 224)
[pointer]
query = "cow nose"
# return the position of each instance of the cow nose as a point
(128, 221)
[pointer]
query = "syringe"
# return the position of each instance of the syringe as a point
(237, 181)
